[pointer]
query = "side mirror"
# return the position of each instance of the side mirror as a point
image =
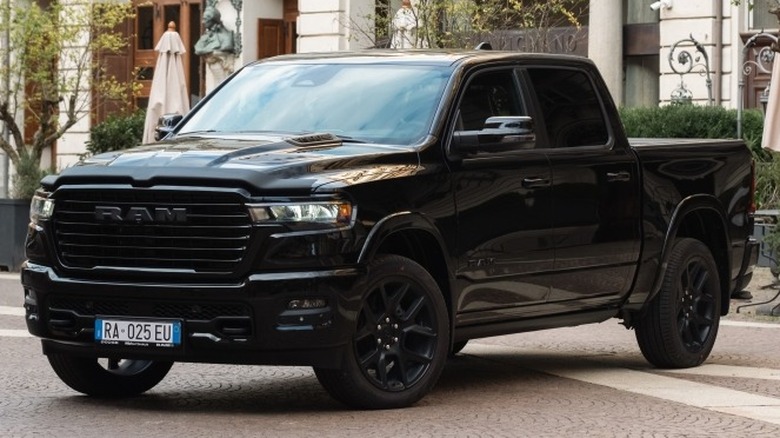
(500, 133)
(165, 125)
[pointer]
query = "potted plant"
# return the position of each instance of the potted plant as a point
(51, 66)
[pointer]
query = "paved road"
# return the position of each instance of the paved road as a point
(583, 381)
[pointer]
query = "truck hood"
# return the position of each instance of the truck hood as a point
(257, 162)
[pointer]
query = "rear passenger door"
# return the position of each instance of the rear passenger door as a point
(595, 188)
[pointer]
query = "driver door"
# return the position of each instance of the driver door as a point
(504, 207)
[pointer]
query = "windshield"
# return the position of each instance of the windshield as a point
(367, 102)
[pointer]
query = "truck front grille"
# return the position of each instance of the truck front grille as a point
(150, 308)
(151, 229)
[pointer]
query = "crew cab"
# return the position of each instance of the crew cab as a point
(368, 213)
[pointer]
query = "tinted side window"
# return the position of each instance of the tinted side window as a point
(488, 94)
(570, 106)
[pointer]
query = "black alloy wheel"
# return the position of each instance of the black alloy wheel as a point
(108, 377)
(400, 343)
(679, 327)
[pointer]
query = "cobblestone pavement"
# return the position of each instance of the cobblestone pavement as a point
(581, 381)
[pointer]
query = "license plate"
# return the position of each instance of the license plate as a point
(138, 333)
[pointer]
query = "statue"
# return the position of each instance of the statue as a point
(405, 28)
(216, 38)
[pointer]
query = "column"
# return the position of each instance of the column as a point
(605, 43)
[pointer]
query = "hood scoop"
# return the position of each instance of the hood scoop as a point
(319, 140)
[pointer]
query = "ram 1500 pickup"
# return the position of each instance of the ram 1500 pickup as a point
(367, 214)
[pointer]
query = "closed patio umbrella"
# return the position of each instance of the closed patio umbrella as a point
(771, 138)
(168, 94)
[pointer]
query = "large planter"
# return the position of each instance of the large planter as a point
(14, 218)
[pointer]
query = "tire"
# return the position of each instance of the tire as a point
(122, 378)
(400, 343)
(681, 323)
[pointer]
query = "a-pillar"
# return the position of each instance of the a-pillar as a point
(605, 43)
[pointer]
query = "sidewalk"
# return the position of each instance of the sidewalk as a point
(764, 287)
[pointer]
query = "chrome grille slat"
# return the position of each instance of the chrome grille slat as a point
(214, 238)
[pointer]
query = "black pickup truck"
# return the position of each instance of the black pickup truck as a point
(367, 214)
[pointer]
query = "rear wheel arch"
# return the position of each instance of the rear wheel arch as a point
(700, 217)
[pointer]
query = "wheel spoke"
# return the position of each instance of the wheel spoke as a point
(370, 359)
(365, 331)
(685, 332)
(415, 357)
(413, 310)
(402, 370)
(703, 320)
(693, 269)
(419, 330)
(386, 300)
(371, 317)
(381, 369)
(398, 296)
(700, 280)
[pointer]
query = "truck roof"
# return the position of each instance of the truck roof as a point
(440, 57)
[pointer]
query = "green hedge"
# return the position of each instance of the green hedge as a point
(117, 132)
(694, 121)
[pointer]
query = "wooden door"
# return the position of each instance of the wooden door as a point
(270, 38)
(278, 37)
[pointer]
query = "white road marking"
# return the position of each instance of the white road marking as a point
(749, 324)
(710, 397)
(715, 370)
(14, 334)
(700, 395)
(12, 311)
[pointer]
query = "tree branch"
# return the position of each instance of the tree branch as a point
(13, 128)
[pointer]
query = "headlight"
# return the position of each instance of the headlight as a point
(326, 213)
(41, 207)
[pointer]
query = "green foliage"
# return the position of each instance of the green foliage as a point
(768, 182)
(55, 65)
(117, 132)
(687, 121)
(28, 177)
(462, 24)
(694, 121)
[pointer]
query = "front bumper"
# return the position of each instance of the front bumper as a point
(249, 322)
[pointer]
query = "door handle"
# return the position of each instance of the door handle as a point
(618, 176)
(535, 182)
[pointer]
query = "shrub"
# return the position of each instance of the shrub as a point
(117, 132)
(27, 178)
(693, 121)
